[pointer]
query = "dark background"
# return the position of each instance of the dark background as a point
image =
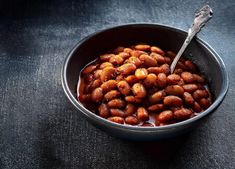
(39, 128)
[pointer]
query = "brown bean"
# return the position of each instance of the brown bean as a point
(88, 78)
(127, 68)
(97, 95)
(174, 90)
(159, 58)
(109, 85)
(116, 60)
(130, 109)
(157, 97)
(127, 50)
(132, 99)
(137, 53)
(165, 116)
(170, 54)
(103, 110)
(168, 60)
(205, 103)
(131, 120)
(124, 55)
(116, 119)
(131, 79)
(155, 70)
(106, 57)
(198, 94)
(112, 95)
(183, 114)
(141, 73)
(178, 71)
(84, 97)
(150, 80)
(156, 107)
(89, 69)
(188, 98)
(117, 112)
(118, 49)
(97, 73)
(190, 65)
(196, 107)
(139, 90)
(107, 73)
(198, 78)
(124, 87)
(120, 78)
(96, 83)
(187, 77)
(116, 103)
(172, 101)
(148, 60)
(142, 47)
(106, 64)
(142, 114)
(162, 80)
(173, 79)
(165, 68)
(136, 61)
(157, 50)
(190, 87)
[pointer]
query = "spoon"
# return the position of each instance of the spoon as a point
(201, 17)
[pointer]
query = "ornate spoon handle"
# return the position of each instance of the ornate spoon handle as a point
(201, 17)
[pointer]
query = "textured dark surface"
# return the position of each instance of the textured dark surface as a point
(39, 128)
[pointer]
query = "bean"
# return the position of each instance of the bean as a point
(139, 90)
(173, 79)
(159, 58)
(131, 120)
(136, 61)
(137, 53)
(127, 68)
(196, 107)
(156, 107)
(106, 64)
(190, 65)
(116, 60)
(124, 87)
(165, 116)
(96, 83)
(157, 97)
(103, 110)
(157, 50)
(205, 103)
(155, 70)
(172, 101)
(118, 49)
(84, 97)
(124, 55)
(109, 85)
(168, 60)
(165, 68)
(127, 50)
(181, 65)
(107, 73)
(132, 99)
(141, 73)
(130, 109)
(88, 78)
(120, 78)
(116, 119)
(112, 95)
(182, 114)
(187, 77)
(174, 90)
(142, 47)
(97, 73)
(131, 79)
(178, 71)
(198, 78)
(89, 69)
(148, 60)
(116, 103)
(150, 80)
(170, 54)
(106, 57)
(198, 94)
(117, 112)
(142, 114)
(188, 98)
(97, 95)
(162, 80)
(190, 87)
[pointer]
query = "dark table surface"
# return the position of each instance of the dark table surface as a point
(39, 128)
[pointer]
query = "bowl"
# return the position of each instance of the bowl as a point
(167, 38)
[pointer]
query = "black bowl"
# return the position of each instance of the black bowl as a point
(167, 38)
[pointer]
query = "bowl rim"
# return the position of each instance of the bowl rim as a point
(104, 121)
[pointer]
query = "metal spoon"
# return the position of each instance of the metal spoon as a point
(201, 17)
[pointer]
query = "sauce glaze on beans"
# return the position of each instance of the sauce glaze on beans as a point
(133, 86)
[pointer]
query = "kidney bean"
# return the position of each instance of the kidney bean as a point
(142, 114)
(165, 116)
(89, 69)
(117, 112)
(198, 94)
(156, 97)
(118, 49)
(155, 70)
(131, 120)
(88, 78)
(142, 47)
(96, 83)
(173, 79)
(136, 61)
(190, 65)
(159, 58)
(132, 99)
(182, 114)
(172, 101)
(109, 85)
(198, 78)
(116, 60)
(190, 87)
(116, 119)
(196, 107)
(141, 73)
(162, 80)
(127, 68)
(131, 79)
(156, 107)
(188, 98)
(107, 73)
(205, 103)
(178, 71)
(139, 90)
(106, 64)
(130, 109)
(148, 60)
(170, 54)
(112, 95)
(97, 73)
(165, 68)
(103, 111)
(157, 50)
(124, 55)
(137, 53)
(106, 57)
(187, 77)
(150, 80)
(124, 87)
(120, 78)
(97, 95)
(127, 50)
(174, 90)
(116, 103)
(168, 60)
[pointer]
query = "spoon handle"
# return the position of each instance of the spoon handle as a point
(201, 17)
